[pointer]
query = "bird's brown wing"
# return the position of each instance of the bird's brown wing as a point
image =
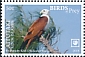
(36, 27)
(34, 23)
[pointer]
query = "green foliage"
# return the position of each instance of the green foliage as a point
(21, 25)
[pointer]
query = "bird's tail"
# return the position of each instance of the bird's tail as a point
(23, 44)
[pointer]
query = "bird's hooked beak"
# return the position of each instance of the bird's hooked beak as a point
(41, 13)
(44, 11)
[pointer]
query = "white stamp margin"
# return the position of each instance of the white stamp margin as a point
(41, 3)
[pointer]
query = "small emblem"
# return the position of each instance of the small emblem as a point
(74, 42)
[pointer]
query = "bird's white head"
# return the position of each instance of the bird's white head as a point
(44, 12)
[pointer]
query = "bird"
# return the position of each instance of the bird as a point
(37, 28)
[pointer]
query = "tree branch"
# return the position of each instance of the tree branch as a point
(65, 51)
(45, 42)
(54, 43)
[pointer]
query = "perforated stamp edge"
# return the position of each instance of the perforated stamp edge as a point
(45, 2)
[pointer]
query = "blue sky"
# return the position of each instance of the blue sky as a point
(70, 23)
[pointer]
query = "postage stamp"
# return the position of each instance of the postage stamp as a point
(36, 28)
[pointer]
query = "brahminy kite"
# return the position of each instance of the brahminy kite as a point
(37, 28)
